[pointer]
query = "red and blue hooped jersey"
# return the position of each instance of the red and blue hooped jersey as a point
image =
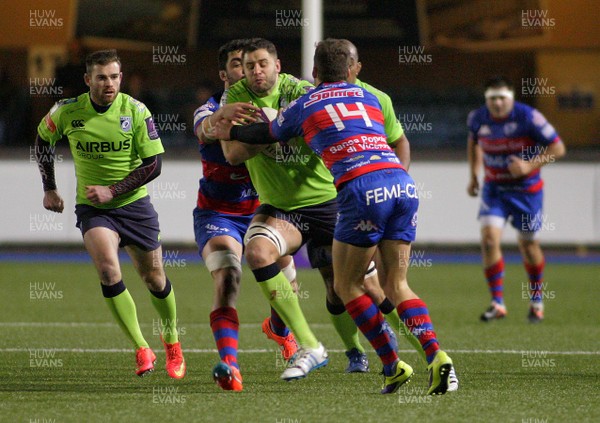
(223, 188)
(344, 125)
(525, 133)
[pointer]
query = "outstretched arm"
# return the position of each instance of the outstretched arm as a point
(236, 112)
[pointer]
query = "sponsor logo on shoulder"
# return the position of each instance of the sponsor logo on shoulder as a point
(152, 132)
(49, 122)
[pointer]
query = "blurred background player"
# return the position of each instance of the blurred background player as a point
(226, 203)
(113, 207)
(344, 124)
(513, 141)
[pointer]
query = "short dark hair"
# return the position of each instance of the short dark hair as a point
(332, 60)
(499, 82)
(101, 57)
(351, 49)
(260, 43)
(225, 49)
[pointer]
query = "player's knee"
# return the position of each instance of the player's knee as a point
(154, 278)
(109, 274)
(257, 256)
(528, 239)
(264, 245)
(489, 242)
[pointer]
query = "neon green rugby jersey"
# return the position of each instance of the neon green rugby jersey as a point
(286, 175)
(393, 127)
(107, 146)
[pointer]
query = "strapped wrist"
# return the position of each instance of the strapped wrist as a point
(208, 133)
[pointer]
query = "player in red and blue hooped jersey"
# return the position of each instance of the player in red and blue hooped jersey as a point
(512, 141)
(224, 188)
(377, 202)
(225, 206)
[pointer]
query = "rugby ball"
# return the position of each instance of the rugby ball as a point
(266, 114)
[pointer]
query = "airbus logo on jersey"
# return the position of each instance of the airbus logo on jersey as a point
(78, 124)
(87, 149)
(366, 226)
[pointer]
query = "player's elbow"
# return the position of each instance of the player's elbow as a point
(561, 150)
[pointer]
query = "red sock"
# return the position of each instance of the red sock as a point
(225, 327)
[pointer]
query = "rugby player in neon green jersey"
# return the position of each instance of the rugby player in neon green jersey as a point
(298, 206)
(116, 150)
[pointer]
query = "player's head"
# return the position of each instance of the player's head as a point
(332, 61)
(355, 65)
(230, 61)
(261, 65)
(103, 76)
(499, 97)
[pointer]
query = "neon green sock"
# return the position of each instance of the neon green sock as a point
(123, 309)
(393, 319)
(167, 311)
(278, 291)
(347, 330)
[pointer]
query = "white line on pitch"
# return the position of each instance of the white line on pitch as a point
(262, 350)
(110, 324)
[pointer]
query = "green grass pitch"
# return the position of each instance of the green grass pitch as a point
(63, 359)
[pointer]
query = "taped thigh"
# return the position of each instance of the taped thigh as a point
(492, 220)
(222, 259)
